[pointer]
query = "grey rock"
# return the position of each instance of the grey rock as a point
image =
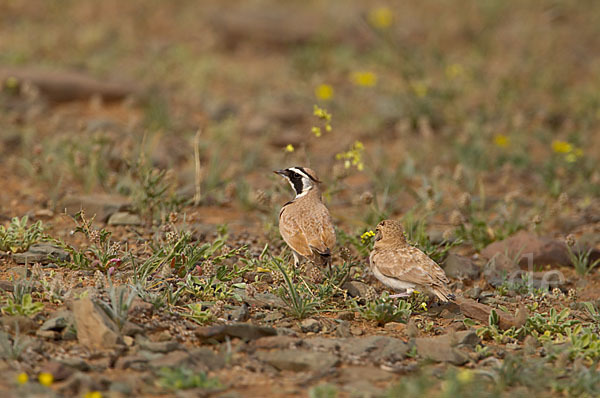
(447, 348)
(94, 329)
(518, 250)
(161, 347)
(298, 360)
(75, 363)
(41, 253)
(78, 384)
(102, 206)
(124, 218)
(460, 267)
(239, 314)
(273, 316)
(135, 362)
(131, 329)
(120, 387)
(346, 315)
(310, 325)
(357, 289)
(58, 321)
(242, 331)
(199, 358)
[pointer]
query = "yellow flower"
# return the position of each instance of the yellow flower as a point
(501, 140)
(465, 376)
(321, 113)
(424, 306)
(381, 17)
(316, 131)
(419, 88)
(364, 238)
(46, 379)
(365, 79)
(561, 146)
(454, 70)
(324, 92)
(93, 394)
(353, 157)
(22, 378)
(289, 148)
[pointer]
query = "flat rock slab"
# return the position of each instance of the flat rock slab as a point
(67, 85)
(43, 253)
(102, 206)
(374, 348)
(447, 348)
(524, 247)
(242, 331)
(481, 312)
(298, 360)
(460, 267)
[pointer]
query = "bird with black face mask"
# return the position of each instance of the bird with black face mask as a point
(304, 222)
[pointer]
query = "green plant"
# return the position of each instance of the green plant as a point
(323, 391)
(198, 315)
(384, 310)
(152, 190)
(12, 348)
(299, 305)
(18, 237)
(21, 302)
(182, 378)
(120, 299)
(580, 258)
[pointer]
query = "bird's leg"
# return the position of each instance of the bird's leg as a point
(296, 259)
(406, 294)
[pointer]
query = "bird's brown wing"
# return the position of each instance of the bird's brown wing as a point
(319, 230)
(408, 264)
(292, 234)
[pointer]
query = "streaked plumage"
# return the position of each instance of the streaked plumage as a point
(305, 223)
(399, 265)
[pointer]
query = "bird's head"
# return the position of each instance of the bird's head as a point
(302, 179)
(390, 230)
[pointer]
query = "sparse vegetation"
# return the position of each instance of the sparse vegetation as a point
(477, 131)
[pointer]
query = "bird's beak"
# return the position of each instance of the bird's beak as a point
(280, 172)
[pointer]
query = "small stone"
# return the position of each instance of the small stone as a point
(58, 321)
(357, 289)
(75, 363)
(356, 331)
(297, 360)
(132, 329)
(20, 323)
(124, 218)
(310, 325)
(346, 315)
(43, 253)
(242, 331)
(239, 314)
(160, 347)
(58, 370)
(128, 340)
(460, 267)
(395, 326)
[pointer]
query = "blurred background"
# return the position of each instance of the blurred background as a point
(402, 107)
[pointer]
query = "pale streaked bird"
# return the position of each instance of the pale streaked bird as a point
(304, 222)
(400, 266)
